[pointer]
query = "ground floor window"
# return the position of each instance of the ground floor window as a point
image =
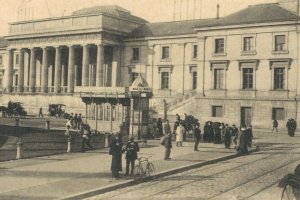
(217, 111)
(165, 76)
(278, 114)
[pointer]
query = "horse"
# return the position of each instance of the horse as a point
(3, 109)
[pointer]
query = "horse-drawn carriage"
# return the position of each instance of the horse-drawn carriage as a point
(13, 109)
(58, 110)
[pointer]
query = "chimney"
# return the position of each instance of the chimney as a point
(218, 11)
(291, 5)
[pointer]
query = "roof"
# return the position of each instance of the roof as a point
(3, 42)
(111, 10)
(254, 14)
(169, 28)
(139, 82)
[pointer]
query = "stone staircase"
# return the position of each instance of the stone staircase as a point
(180, 101)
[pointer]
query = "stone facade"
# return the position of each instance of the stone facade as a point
(235, 73)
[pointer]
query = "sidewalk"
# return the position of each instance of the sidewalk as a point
(78, 175)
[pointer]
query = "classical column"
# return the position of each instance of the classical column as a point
(57, 74)
(201, 66)
(21, 71)
(116, 67)
(85, 66)
(32, 81)
(44, 84)
(71, 69)
(100, 66)
(10, 70)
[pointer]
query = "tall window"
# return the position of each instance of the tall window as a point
(279, 78)
(218, 78)
(195, 51)
(217, 111)
(1, 80)
(248, 78)
(135, 54)
(164, 80)
(17, 59)
(194, 83)
(248, 44)
(134, 75)
(280, 43)
(1, 60)
(165, 54)
(219, 45)
(278, 114)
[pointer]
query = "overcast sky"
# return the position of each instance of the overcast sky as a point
(151, 10)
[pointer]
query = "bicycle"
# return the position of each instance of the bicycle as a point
(291, 187)
(141, 171)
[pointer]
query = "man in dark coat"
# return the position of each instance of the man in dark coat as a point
(116, 152)
(131, 149)
(275, 125)
(197, 137)
(227, 136)
(168, 145)
(242, 148)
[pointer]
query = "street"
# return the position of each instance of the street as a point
(250, 177)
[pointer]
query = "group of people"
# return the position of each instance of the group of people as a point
(75, 121)
(291, 125)
(117, 149)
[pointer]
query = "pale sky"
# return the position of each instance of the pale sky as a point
(151, 10)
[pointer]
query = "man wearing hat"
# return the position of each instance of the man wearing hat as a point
(131, 149)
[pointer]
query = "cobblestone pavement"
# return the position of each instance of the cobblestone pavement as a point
(252, 177)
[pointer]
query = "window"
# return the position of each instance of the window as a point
(219, 45)
(165, 54)
(278, 114)
(195, 51)
(17, 59)
(280, 43)
(134, 75)
(217, 111)
(279, 78)
(248, 44)
(194, 83)
(218, 78)
(135, 54)
(1, 80)
(1, 61)
(164, 80)
(248, 78)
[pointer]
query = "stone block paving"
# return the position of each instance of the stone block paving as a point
(59, 176)
(250, 177)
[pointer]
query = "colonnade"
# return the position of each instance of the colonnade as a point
(72, 65)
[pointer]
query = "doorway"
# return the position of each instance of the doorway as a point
(246, 116)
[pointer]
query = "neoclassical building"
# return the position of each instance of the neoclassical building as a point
(242, 68)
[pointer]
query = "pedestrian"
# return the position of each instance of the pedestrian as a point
(275, 125)
(249, 136)
(197, 137)
(86, 138)
(79, 121)
(168, 145)
(234, 133)
(291, 125)
(167, 128)
(69, 123)
(131, 149)
(242, 147)
(116, 151)
(75, 121)
(41, 112)
(179, 134)
(227, 136)
(159, 127)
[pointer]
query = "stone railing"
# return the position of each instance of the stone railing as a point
(55, 24)
(179, 100)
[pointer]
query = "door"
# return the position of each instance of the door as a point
(246, 116)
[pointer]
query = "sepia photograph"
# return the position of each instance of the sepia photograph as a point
(149, 100)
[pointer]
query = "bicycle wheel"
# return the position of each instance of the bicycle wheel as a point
(138, 172)
(289, 193)
(150, 169)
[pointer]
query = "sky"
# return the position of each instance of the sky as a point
(151, 10)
